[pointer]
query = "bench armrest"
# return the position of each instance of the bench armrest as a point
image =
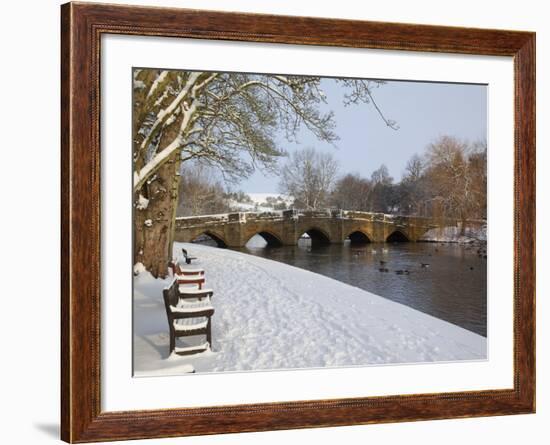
(196, 294)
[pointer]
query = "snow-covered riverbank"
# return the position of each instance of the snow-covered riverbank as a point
(270, 315)
(455, 235)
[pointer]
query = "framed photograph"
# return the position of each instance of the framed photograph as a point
(274, 222)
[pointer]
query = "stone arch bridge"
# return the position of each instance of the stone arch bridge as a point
(323, 226)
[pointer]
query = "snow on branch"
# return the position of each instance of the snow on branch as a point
(164, 114)
(156, 83)
(160, 158)
(187, 95)
(361, 92)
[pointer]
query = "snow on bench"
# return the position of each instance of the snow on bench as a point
(189, 271)
(192, 308)
(187, 327)
(187, 319)
(191, 279)
(188, 290)
(180, 268)
(191, 349)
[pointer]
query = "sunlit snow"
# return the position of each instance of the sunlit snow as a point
(269, 315)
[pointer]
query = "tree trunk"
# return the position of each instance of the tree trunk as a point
(154, 223)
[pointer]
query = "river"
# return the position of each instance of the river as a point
(452, 284)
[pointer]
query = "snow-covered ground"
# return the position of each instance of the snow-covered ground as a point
(269, 315)
(453, 235)
(260, 198)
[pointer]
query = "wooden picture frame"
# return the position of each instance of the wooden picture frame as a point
(82, 26)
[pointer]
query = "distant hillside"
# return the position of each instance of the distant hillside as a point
(262, 202)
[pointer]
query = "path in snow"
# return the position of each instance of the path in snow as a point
(270, 315)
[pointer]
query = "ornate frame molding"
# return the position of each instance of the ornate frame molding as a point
(81, 28)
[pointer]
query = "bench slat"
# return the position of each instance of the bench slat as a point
(187, 350)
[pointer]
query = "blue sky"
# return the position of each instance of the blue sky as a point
(423, 111)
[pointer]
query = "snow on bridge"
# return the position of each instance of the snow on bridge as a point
(323, 226)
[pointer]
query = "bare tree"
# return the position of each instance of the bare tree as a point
(308, 177)
(200, 192)
(352, 192)
(228, 120)
(361, 91)
(381, 176)
(414, 168)
(457, 173)
(478, 170)
(383, 197)
(449, 180)
(413, 188)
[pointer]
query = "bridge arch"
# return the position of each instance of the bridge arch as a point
(359, 237)
(218, 239)
(318, 236)
(397, 236)
(270, 238)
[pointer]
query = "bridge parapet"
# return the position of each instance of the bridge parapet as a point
(321, 213)
(367, 216)
(286, 226)
(191, 221)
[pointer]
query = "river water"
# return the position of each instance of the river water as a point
(452, 284)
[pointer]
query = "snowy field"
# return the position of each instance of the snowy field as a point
(269, 315)
(259, 202)
(260, 198)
